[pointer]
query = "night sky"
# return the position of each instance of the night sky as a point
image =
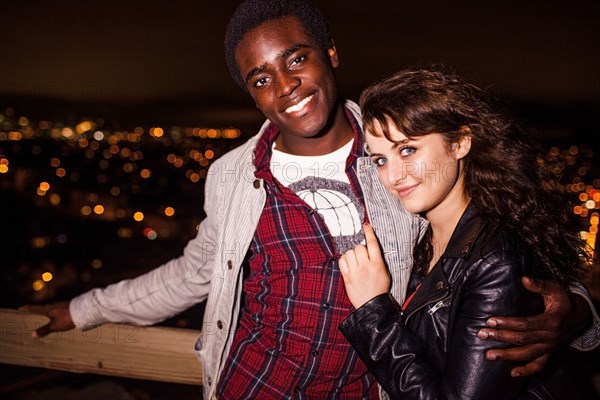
(537, 53)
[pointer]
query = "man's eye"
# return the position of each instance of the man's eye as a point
(260, 82)
(298, 60)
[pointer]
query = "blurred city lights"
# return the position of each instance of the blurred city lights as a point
(150, 233)
(87, 171)
(38, 285)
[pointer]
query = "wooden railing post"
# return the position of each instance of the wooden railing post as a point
(153, 353)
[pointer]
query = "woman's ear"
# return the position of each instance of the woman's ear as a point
(462, 146)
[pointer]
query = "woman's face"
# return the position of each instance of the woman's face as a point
(423, 172)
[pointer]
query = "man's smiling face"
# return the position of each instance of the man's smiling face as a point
(289, 76)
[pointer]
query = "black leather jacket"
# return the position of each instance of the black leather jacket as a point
(431, 350)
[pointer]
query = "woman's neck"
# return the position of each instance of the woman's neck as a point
(444, 218)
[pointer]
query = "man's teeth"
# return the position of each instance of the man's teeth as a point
(299, 106)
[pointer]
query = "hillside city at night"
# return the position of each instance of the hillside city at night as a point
(85, 205)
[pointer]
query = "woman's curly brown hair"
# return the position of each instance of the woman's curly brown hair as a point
(504, 173)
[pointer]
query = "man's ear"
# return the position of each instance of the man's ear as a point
(333, 56)
(462, 146)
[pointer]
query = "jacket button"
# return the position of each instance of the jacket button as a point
(219, 325)
(465, 250)
(439, 285)
(256, 184)
(229, 264)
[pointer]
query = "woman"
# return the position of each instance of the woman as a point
(442, 150)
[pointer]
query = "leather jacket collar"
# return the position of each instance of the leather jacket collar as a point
(437, 288)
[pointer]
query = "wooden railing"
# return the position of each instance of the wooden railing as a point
(153, 353)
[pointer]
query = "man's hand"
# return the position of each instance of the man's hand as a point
(60, 317)
(535, 337)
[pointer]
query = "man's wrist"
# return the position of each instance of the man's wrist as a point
(581, 318)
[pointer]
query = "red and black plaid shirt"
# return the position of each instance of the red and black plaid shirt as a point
(287, 344)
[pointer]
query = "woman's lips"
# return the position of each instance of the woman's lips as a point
(406, 190)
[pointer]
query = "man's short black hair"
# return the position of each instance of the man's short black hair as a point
(252, 13)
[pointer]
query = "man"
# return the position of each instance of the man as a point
(280, 209)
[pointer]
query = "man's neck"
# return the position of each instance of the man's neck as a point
(337, 134)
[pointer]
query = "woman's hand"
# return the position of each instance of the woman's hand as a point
(364, 271)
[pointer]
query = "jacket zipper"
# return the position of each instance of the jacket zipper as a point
(439, 303)
(436, 307)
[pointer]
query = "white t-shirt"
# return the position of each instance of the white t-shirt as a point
(321, 181)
